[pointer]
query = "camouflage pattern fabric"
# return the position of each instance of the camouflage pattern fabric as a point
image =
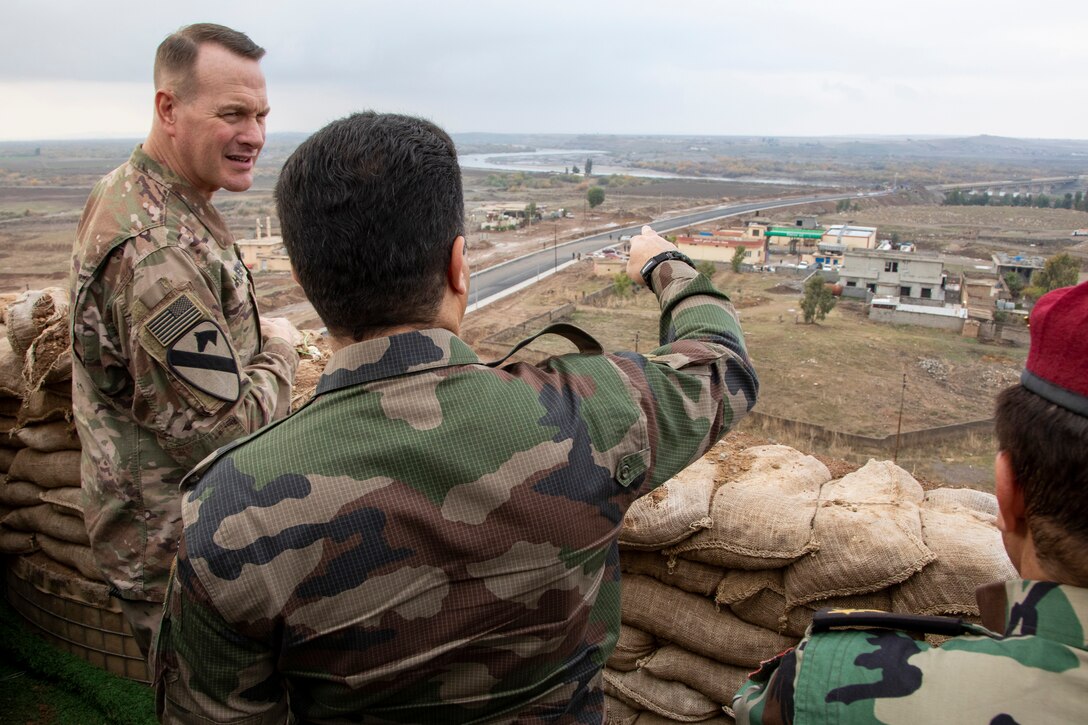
(168, 362)
(1037, 672)
(432, 540)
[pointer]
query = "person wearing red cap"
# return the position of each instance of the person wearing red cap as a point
(1029, 663)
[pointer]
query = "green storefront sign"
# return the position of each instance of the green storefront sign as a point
(795, 233)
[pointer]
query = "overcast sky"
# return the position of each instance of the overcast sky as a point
(77, 69)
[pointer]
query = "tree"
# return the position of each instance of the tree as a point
(1015, 283)
(574, 170)
(1061, 270)
(818, 300)
(622, 285)
(706, 268)
(589, 166)
(738, 258)
(595, 196)
(530, 211)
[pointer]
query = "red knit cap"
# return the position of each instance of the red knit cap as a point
(1057, 367)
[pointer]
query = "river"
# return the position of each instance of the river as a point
(560, 160)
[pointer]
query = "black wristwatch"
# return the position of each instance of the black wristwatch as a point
(652, 262)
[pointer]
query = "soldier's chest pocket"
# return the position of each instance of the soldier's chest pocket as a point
(238, 300)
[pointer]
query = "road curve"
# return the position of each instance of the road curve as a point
(506, 278)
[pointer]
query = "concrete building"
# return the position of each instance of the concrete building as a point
(1025, 266)
(979, 294)
(720, 246)
(850, 237)
(867, 272)
(504, 215)
(265, 252)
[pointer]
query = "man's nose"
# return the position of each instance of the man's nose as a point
(253, 133)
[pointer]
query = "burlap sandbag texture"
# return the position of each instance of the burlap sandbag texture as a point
(762, 518)
(31, 313)
(49, 470)
(673, 511)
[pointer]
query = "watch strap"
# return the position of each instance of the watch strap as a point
(651, 264)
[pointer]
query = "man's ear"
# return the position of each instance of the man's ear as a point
(1011, 515)
(166, 108)
(457, 272)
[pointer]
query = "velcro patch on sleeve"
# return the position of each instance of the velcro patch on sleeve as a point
(202, 356)
(173, 321)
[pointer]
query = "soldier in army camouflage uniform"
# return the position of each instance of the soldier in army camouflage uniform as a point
(1029, 664)
(171, 360)
(431, 539)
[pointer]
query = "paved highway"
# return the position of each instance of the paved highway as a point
(503, 279)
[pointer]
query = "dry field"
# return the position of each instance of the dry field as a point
(845, 373)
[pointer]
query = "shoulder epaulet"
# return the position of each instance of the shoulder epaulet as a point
(828, 619)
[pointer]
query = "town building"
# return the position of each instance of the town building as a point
(871, 272)
(506, 215)
(264, 252)
(1023, 265)
(722, 245)
(847, 236)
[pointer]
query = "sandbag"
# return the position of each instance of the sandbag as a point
(17, 494)
(633, 645)
(673, 511)
(49, 437)
(870, 533)
(674, 700)
(50, 470)
(45, 405)
(980, 503)
(719, 682)
(67, 500)
(759, 597)
(652, 718)
(696, 623)
(12, 384)
(17, 542)
(762, 517)
(42, 519)
(969, 554)
(7, 455)
(9, 406)
(691, 576)
(31, 313)
(618, 712)
(49, 357)
(77, 557)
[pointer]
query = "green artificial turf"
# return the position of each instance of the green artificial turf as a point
(42, 685)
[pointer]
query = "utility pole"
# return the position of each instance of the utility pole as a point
(899, 428)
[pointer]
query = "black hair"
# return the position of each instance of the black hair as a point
(369, 208)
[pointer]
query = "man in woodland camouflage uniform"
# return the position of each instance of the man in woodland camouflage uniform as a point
(431, 539)
(1036, 669)
(171, 360)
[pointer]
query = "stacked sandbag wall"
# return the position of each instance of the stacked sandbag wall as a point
(724, 566)
(52, 579)
(40, 491)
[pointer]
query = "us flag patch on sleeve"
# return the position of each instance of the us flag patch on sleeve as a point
(197, 350)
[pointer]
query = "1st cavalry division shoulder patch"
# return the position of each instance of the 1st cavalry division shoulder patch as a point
(197, 351)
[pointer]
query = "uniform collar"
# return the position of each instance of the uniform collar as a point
(387, 357)
(1056, 612)
(183, 190)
